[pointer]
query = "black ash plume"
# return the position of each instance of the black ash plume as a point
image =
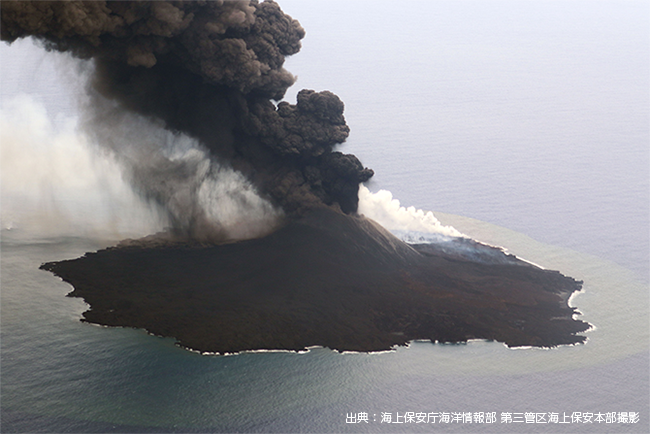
(209, 70)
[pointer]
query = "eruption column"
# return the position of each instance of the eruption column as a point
(209, 70)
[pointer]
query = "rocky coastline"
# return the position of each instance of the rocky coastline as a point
(326, 279)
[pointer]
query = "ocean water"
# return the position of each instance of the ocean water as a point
(521, 124)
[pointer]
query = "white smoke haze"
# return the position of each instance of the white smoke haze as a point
(201, 198)
(115, 174)
(230, 199)
(54, 185)
(388, 212)
(62, 180)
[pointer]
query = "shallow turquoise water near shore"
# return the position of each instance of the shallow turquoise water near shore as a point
(68, 376)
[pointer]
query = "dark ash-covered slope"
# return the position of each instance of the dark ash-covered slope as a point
(327, 279)
(213, 71)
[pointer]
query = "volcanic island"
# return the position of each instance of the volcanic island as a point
(212, 72)
(327, 279)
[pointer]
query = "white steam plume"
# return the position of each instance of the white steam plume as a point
(53, 185)
(388, 212)
(58, 181)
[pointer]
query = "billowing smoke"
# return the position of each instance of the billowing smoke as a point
(201, 197)
(207, 72)
(388, 212)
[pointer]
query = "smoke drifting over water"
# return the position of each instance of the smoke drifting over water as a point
(57, 182)
(183, 96)
(387, 211)
(181, 93)
(53, 184)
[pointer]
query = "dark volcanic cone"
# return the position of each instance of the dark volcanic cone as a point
(213, 71)
(327, 279)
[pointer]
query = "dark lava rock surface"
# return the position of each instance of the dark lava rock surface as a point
(328, 280)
